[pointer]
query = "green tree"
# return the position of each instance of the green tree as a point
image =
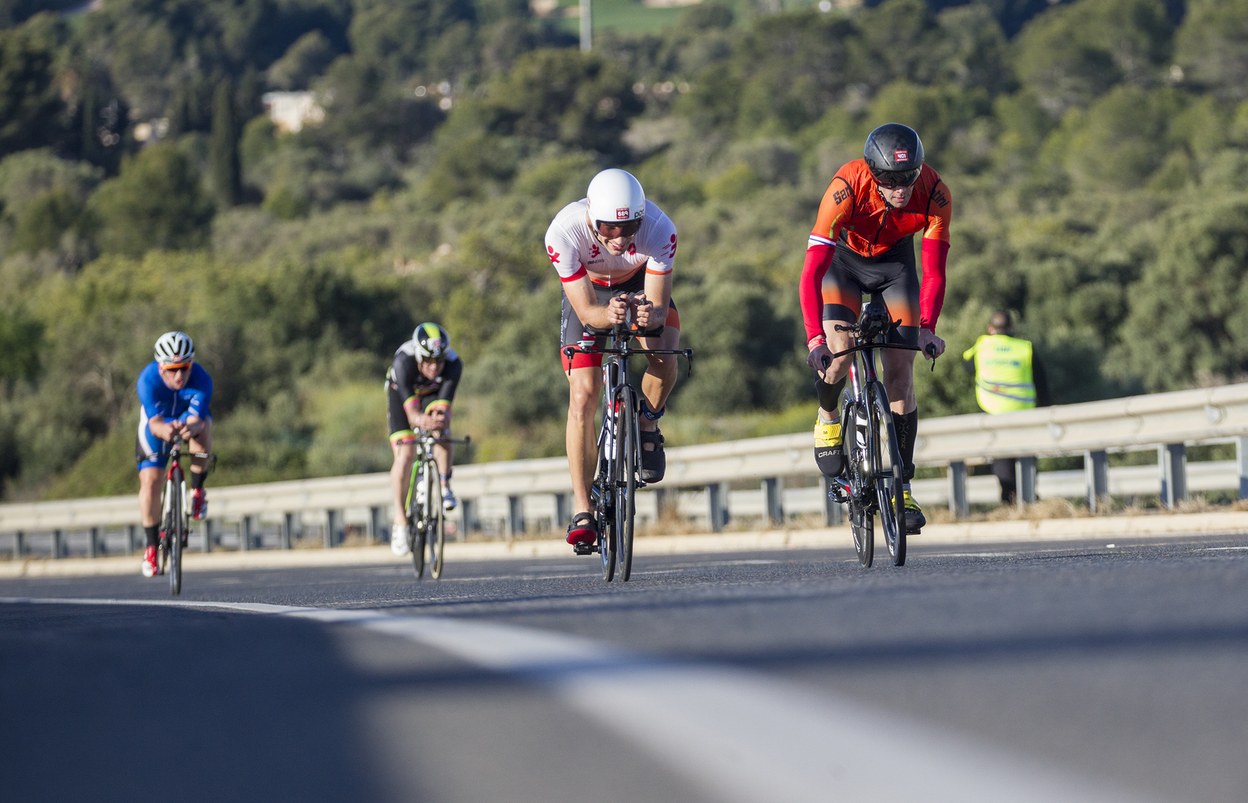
(156, 203)
(31, 112)
(226, 170)
(1209, 47)
(1188, 323)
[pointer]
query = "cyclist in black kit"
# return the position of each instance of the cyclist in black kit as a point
(420, 385)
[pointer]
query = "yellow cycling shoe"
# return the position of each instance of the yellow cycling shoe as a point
(829, 454)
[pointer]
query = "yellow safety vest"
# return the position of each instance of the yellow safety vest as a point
(1003, 376)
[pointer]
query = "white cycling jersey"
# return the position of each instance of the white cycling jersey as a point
(575, 251)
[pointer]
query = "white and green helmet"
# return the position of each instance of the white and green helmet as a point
(431, 342)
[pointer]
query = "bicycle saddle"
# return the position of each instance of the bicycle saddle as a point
(873, 321)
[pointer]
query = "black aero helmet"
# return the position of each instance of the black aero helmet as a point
(894, 154)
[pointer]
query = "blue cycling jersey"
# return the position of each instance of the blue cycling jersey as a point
(156, 399)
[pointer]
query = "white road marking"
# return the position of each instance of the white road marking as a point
(742, 736)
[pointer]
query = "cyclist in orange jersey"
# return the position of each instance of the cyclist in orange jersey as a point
(863, 243)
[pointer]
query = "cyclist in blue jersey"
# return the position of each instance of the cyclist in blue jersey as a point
(174, 396)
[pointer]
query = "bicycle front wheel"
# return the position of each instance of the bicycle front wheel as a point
(628, 449)
(177, 532)
(416, 518)
(856, 444)
(888, 475)
(435, 521)
(604, 494)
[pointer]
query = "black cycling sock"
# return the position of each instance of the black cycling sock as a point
(907, 430)
(197, 480)
(152, 534)
(829, 395)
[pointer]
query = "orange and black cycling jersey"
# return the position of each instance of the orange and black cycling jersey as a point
(853, 214)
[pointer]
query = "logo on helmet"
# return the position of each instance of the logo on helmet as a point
(621, 213)
(901, 155)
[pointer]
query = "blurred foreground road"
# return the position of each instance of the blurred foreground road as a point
(1071, 670)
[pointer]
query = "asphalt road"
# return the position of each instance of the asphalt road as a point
(1069, 671)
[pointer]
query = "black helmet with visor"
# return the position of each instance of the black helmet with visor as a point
(894, 154)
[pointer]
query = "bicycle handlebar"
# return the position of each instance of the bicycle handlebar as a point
(421, 434)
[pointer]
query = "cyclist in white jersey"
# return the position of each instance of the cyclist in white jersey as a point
(613, 251)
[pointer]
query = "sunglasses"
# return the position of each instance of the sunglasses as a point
(176, 368)
(896, 179)
(609, 230)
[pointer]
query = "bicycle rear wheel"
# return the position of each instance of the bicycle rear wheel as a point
(888, 475)
(435, 522)
(416, 518)
(175, 534)
(860, 499)
(628, 446)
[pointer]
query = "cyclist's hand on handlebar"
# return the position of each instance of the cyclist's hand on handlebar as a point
(819, 358)
(617, 309)
(642, 308)
(930, 344)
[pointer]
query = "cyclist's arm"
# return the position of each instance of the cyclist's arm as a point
(935, 250)
(658, 291)
(836, 206)
(580, 293)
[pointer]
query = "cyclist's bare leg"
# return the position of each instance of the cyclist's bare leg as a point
(443, 453)
(201, 443)
(400, 475)
(584, 391)
(660, 377)
(839, 369)
(150, 480)
(898, 368)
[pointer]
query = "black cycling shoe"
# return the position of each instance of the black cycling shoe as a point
(653, 461)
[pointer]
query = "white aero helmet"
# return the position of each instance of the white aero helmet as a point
(616, 197)
(174, 347)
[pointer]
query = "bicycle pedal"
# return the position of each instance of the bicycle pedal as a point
(840, 491)
(584, 549)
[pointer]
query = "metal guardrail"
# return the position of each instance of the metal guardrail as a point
(772, 478)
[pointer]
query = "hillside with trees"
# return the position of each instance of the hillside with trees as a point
(1097, 151)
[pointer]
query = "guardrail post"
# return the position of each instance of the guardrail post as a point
(563, 510)
(1241, 462)
(333, 520)
(132, 538)
(958, 505)
(833, 513)
(1025, 480)
(1173, 457)
(58, 543)
(515, 515)
(773, 491)
(288, 530)
(374, 524)
(717, 498)
(19, 544)
(208, 532)
(468, 510)
(1096, 472)
(246, 531)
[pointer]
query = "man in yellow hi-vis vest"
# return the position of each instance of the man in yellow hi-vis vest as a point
(1008, 377)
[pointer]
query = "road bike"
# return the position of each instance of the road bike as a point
(426, 520)
(614, 488)
(175, 514)
(873, 482)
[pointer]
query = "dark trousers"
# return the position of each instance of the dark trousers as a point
(1004, 470)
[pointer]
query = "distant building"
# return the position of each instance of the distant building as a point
(291, 111)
